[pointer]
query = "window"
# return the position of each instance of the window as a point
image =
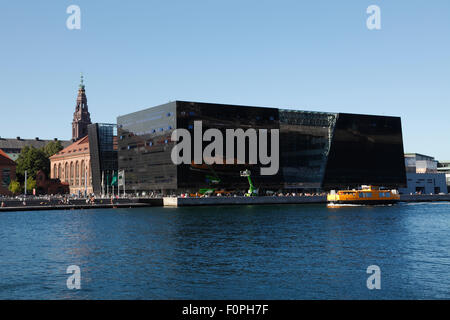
(388, 194)
(361, 195)
(381, 194)
(6, 177)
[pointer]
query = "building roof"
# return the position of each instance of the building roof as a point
(18, 143)
(5, 160)
(420, 156)
(77, 148)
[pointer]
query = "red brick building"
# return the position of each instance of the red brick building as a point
(72, 165)
(7, 172)
(50, 186)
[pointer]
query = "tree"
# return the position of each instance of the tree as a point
(32, 160)
(52, 148)
(31, 184)
(14, 187)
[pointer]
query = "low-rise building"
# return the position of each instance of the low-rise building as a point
(423, 176)
(13, 147)
(7, 172)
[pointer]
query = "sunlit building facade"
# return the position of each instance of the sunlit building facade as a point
(72, 165)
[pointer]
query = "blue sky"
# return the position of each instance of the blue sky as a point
(308, 55)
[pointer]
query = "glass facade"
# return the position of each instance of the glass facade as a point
(305, 140)
(366, 150)
(317, 150)
(104, 155)
(222, 117)
(145, 147)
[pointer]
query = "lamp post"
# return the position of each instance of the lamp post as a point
(25, 183)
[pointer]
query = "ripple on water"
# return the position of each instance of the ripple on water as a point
(248, 252)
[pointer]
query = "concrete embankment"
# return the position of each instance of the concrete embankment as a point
(424, 197)
(74, 206)
(217, 201)
(55, 204)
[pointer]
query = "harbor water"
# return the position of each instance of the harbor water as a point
(229, 252)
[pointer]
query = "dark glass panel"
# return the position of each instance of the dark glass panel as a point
(103, 150)
(143, 153)
(366, 150)
(222, 117)
(305, 142)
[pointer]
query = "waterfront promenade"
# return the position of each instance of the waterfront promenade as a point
(32, 204)
(56, 204)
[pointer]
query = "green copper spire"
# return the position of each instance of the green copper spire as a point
(82, 81)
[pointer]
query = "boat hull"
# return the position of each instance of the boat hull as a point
(364, 202)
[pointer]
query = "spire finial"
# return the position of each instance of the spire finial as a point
(82, 81)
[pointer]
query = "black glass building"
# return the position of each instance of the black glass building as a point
(104, 157)
(317, 150)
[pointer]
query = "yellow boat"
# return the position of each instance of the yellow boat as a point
(367, 195)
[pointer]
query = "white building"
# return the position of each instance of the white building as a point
(423, 176)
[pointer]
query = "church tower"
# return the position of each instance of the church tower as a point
(81, 116)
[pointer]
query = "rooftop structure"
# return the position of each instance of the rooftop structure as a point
(419, 163)
(13, 147)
